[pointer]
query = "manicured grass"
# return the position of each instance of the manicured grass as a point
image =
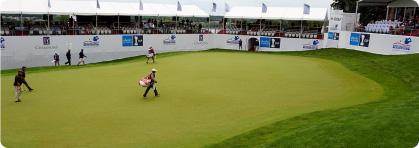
(391, 122)
(206, 97)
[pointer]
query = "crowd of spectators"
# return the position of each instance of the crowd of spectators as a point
(398, 27)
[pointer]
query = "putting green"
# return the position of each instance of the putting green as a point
(205, 97)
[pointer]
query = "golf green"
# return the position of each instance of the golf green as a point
(206, 97)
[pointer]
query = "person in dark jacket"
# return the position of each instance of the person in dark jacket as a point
(56, 59)
(23, 71)
(81, 57)
(17, 84)
(240, 44)
(152, 77)
(68, 55)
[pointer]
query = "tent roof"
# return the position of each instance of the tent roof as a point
(88, 7)
(284, 13)
(390, 3)
(404, 3)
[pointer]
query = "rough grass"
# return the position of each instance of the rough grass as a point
(206, 97)
(391, 122)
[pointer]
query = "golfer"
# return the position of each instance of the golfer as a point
(81, 57)
(152, 77)
(68, 55)
(23, 75)
(56, 59)
(151, 54)
(18, 82)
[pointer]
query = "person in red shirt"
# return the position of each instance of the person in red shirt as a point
(151, 54)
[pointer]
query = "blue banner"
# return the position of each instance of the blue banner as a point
(354, 40)
(127, 40)
(265, 42)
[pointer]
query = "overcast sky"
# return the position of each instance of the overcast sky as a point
(207, 4)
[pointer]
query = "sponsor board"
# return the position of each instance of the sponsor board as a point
(132, 40)
(92, 43)
(359, 39)
(265, 42)
(46, 44)
(312, 45)
(233, 40)
(275, 42)
(2, 43)
(171, 40)
(333, 36)
(403, 45)
(127, 40)
(201, 41)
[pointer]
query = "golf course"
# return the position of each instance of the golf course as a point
(219, 98)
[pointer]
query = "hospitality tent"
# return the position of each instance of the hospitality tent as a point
(277, 13)
(89, 7)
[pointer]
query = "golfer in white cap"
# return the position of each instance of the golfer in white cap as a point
(152, 77)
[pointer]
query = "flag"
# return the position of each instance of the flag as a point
(306, 9)
(214, 7)
(141, 5)
(97, 4)
(179, 7)
(49, 3)
(227, 7)
(264, 8)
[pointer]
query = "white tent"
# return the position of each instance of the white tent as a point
(88, 7)
(284, 13)
(154, 9)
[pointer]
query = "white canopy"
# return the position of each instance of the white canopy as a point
(154, 9)
(89, 7)
(404, 3)
(284, 13)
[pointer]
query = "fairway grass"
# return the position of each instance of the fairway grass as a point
(206, 97)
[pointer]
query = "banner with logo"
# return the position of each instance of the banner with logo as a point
(313, 45)
(265, 42)
(132, 40)
(91, 43)
(359, 39)
(333, 36)
(335, 20)
(2, 43)
(171, 40)
(403, 45)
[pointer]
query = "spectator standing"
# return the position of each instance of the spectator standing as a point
(240, 44)
(68, 55)
(81, 57)
(56, 59)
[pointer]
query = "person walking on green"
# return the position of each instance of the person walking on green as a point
(152, 77)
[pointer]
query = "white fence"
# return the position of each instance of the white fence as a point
(34, 51)
(374, 43)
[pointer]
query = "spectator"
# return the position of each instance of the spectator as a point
(81, 57)
(56, 59)
(68, 55)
